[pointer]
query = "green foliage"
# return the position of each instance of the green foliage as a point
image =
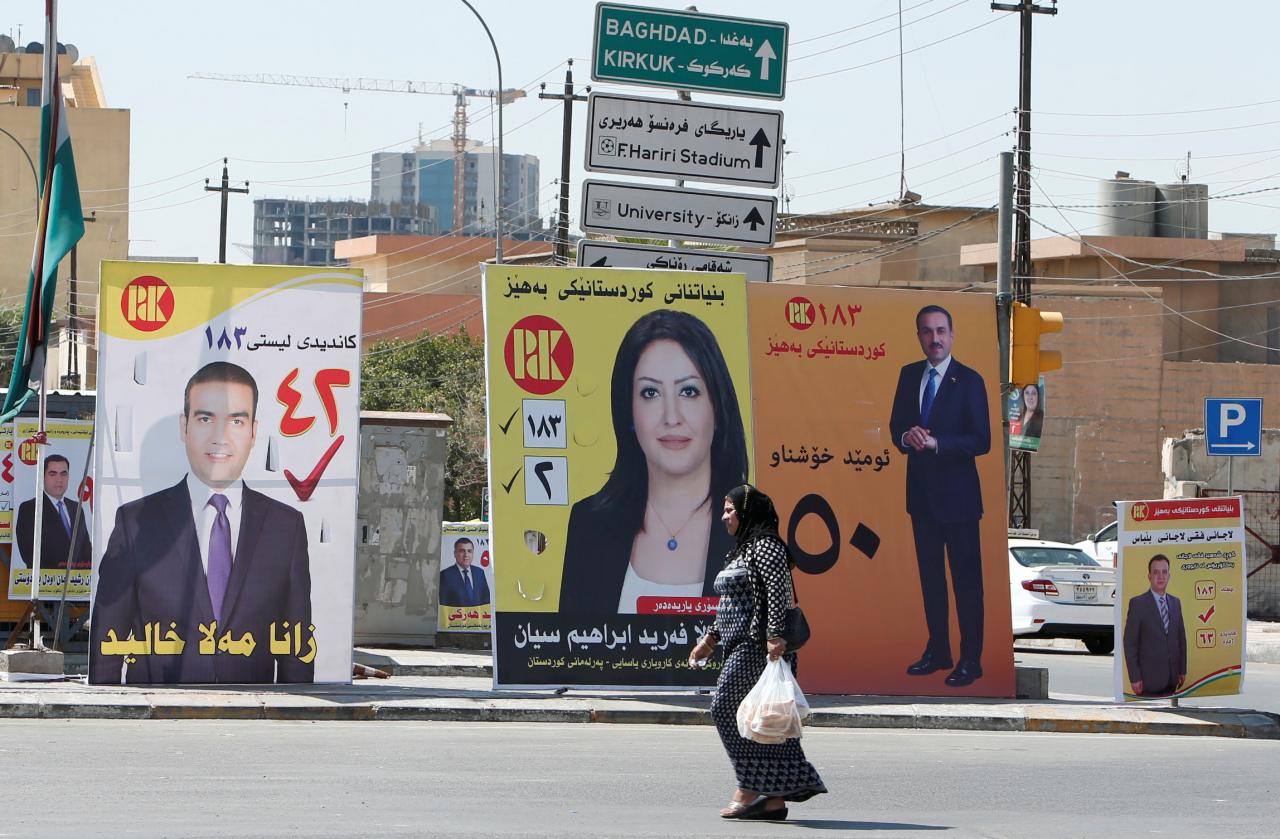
(10, 328)
(445, 374)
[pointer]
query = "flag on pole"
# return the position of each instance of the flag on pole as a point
(59, 225)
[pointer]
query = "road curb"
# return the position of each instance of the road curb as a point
(1238, 724)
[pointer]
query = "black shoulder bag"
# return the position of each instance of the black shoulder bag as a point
(795, 626)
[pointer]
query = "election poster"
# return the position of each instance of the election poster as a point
(6, 484)
(1026, 416)
(619, 417)
(878, 430)
(226, 469)
(1180, 604)
(466, 576)
(66, 493)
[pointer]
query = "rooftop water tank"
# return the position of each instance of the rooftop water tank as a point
(1129, 206)
(1182, 210)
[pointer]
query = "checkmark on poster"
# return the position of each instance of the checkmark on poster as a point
(505, 425)
(507, 486)
(304, 488)
(1205, 617)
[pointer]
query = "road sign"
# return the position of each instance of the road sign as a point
(632, 135)
(689, 51)
(670, 212)
(625, 255)
(1233, 427)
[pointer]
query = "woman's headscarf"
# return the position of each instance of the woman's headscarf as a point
(756, 516)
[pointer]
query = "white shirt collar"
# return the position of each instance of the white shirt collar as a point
(941, 368)
(200, 493)
(55, 501)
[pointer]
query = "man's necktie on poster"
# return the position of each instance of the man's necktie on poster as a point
(219, 554)
(1164, 613)
(66, 520)
(466, 579)
(930, 391)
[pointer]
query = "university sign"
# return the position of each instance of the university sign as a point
(689, 51)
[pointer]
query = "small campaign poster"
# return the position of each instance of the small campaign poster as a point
(1180, 602)
(226, 468)
(619, 418)
(1025, 414)
(466, 577)
(6, 483)
(54, 476)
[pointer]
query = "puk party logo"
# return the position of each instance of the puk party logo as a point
(538, 354)
(800, 312)
(147, 303)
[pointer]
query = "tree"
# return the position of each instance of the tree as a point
(10, 328)
(441, 373)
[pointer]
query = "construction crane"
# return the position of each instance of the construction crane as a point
(460, 93)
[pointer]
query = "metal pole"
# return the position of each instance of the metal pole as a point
(1231, 484)
(497, 186)
(1004, 285)
(226, 189)
(566, 145)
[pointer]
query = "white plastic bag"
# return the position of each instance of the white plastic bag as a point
(775, 708)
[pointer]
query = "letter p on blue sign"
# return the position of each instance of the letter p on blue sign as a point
(1233, 427)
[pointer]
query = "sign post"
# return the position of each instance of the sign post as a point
(689, 51)
(624, 209)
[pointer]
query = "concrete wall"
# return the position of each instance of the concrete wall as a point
(402, 460)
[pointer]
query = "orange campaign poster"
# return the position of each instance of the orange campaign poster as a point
(889, 483)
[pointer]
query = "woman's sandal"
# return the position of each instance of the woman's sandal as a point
(758, 811)
(738, 810)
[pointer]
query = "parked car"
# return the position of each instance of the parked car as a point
(1101, 546)
(1059, 591)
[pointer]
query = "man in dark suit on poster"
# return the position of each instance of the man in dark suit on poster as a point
(460, 584)
(1155, 638)
(207, 552)
(941, 422)
(59, 522)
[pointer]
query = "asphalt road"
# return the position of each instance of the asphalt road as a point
(1077, 675)
(275, 779)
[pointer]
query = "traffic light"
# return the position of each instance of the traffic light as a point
(1026, 360)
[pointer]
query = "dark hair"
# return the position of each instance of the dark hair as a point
(927, 310)
(463, 541)
(220, 371)
(1038, 411)
(757, 517)
(1159, 558)
(56, 457)
(627, 489)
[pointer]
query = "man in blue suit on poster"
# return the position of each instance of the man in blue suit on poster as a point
(940, 421)
(460, 584)
(208, 562)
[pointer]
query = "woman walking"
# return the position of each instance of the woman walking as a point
(755, 591)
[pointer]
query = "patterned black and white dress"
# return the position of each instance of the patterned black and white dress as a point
(755, 590)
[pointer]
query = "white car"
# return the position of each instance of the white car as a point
(1101, 546)
(1059, 591)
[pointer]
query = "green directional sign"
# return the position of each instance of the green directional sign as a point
(689, 51)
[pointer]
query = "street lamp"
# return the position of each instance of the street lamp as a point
(497, 175)
(34, 176)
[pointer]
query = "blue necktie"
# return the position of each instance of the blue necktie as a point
(66, 521)
(930, 391)
(471, 592)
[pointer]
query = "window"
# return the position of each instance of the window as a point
(33, 96)
(1034, 557)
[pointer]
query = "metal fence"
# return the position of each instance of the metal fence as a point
(1262, 549)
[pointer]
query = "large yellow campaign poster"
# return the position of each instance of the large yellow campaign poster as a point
(226, 474)
(619, 417)
(1180, 616)
(878, 437)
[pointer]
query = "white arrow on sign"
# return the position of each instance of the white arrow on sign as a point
(1233, 445)
(765, 54)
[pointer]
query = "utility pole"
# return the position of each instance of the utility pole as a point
(566, 143)
(1020, 462)
(1004, 286)
(72, 380)
(226, 189)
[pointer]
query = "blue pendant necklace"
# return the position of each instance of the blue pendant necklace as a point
(673, 543)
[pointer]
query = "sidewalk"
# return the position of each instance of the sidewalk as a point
(455, 685)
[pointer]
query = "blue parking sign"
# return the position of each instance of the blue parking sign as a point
(1233, 427)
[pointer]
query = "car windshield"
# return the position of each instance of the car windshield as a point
(1033, 557)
